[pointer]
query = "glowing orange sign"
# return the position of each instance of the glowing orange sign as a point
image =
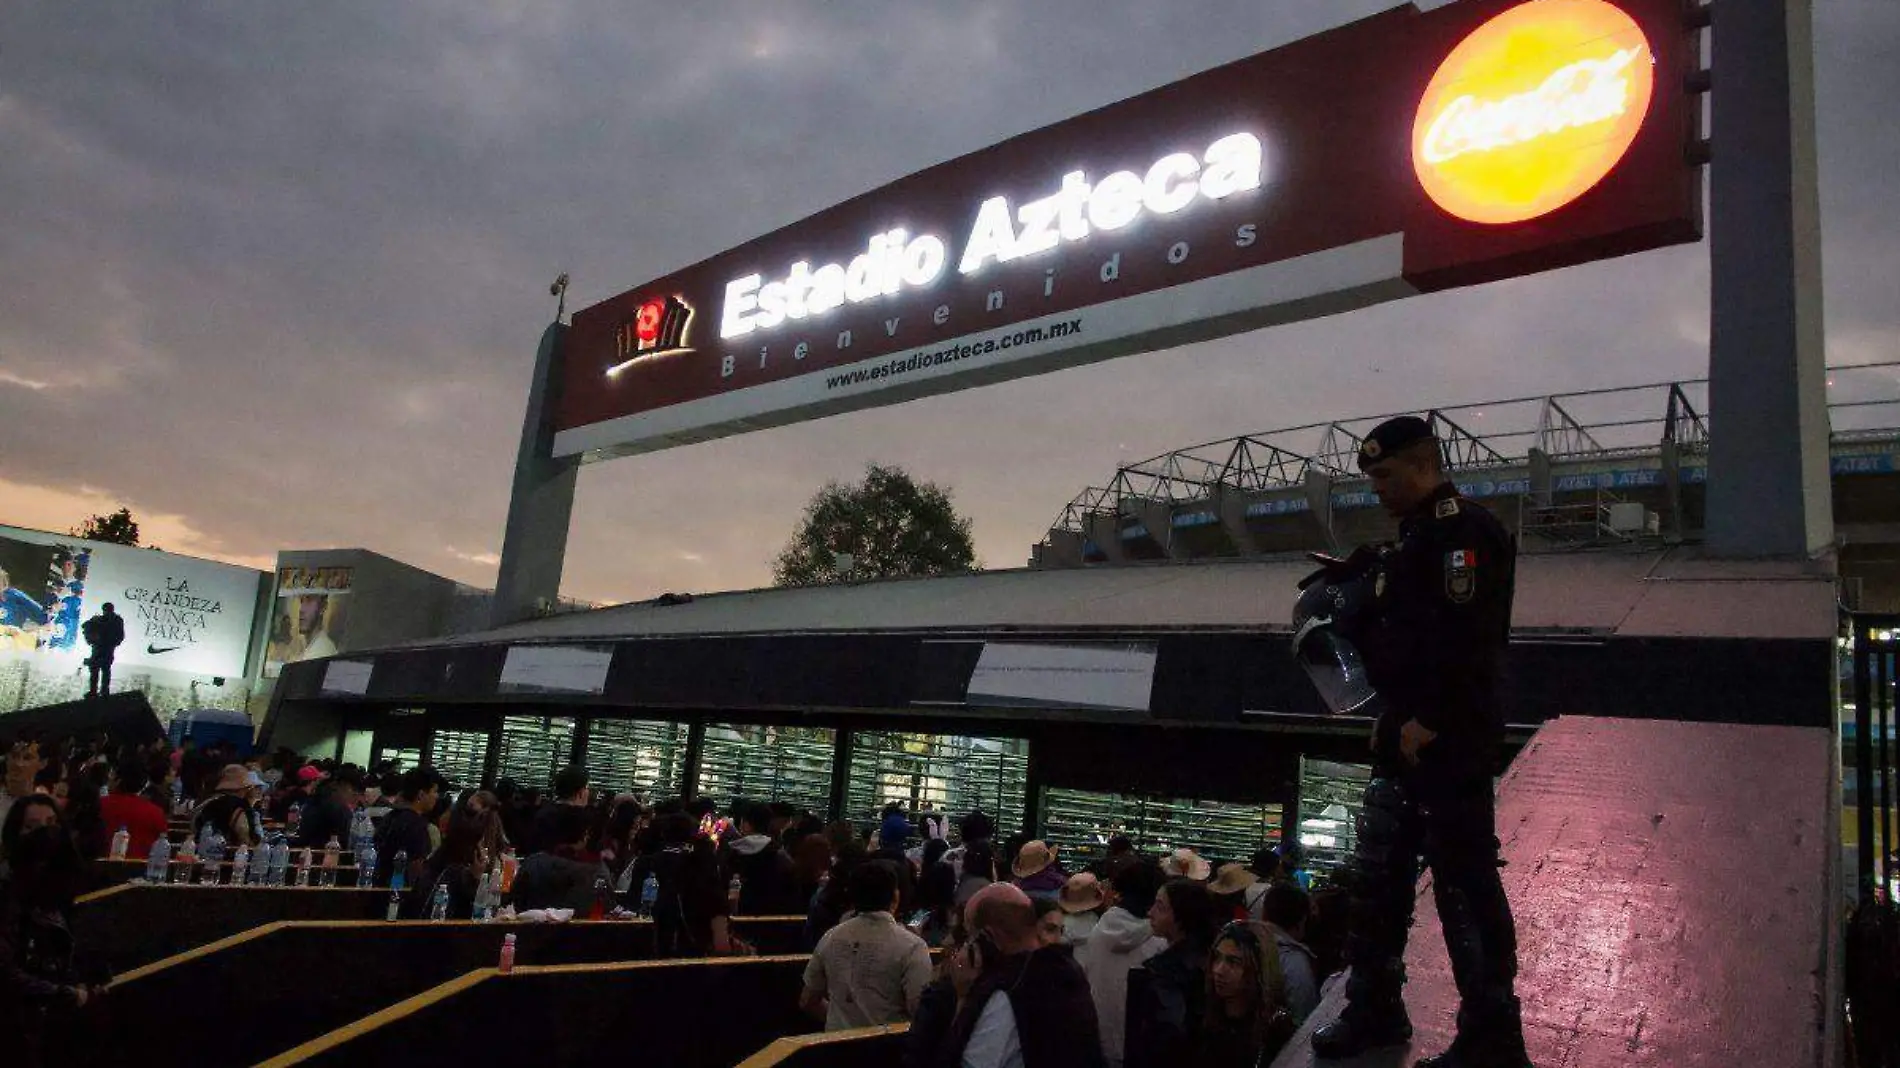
(1532, 110)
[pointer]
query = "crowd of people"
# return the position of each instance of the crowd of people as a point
(1128, 960)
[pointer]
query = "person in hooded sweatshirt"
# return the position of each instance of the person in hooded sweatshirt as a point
(1122, 939)
(768, 885)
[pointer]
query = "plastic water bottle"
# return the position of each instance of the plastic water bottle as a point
(304, 861)
(260, 864)
(439, 904)
(211, 854)
(602, 891)
(330, 851)
(279, 862)
(362, 831)
(507, 954)
(395, 906)
(733, 890)
(366, 866)
(399, 870)
(481, 911)
(240, 865)
(158, 863)
(121, 843)
(649, 893)
(187, 861)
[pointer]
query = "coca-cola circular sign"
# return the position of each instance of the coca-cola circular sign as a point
(1532, 110)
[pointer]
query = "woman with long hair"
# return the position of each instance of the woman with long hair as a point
(1246, 1021)
(614, 842)
(40, 872)
(82, 818)
(979, 871)
(456, 864)
(1165, 1005)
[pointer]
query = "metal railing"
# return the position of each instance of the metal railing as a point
(1873, 930)
(1588, 424)
(1876, 644)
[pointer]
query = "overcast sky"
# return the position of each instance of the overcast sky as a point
(273, 274)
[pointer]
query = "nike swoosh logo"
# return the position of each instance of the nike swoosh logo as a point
(153, 650)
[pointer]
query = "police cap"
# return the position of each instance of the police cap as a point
(1391, 436)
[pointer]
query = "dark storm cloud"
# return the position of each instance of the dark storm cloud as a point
(279, 270)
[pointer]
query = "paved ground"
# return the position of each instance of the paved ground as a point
(1670, 886)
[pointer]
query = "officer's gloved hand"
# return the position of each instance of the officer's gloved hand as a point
(1334, 570)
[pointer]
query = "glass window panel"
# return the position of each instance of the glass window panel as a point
(460, 756)
(643, 756)
(948, 774)
(533, 748)
(1079, 823)
(755, 763)
(1331, 795)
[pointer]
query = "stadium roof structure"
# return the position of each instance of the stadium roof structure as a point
(1556, 462)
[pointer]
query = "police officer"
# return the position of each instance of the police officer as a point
(1437, 628)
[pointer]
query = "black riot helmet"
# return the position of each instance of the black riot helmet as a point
(1325, 620)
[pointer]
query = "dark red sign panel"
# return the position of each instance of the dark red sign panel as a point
(1404, 153)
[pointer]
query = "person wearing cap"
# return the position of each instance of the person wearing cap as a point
(1081, 900)
(1036, 870)
(226, 811)
(328, 814)
(1185, 863)
(292, 789)
(1433, 638)
(1237, 888)
(893, 834)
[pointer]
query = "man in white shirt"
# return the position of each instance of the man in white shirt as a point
(868, 970)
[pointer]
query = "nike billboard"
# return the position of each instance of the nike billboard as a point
(181, 613)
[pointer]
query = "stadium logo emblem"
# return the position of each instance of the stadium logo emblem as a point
(1532, 110)
(656, 329)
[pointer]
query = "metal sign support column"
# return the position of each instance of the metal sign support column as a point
(534, 546)
(1768, 489)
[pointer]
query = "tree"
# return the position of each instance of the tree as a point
(890, 526)
(118, 528)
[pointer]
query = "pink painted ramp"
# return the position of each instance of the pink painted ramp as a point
(1675, 892)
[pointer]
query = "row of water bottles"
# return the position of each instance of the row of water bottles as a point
(488, 894)
(268, 865)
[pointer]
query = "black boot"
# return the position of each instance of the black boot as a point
(1494, 1053)
(1487, 1038)
(1362, 1027)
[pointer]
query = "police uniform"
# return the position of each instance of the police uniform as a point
(1433, 642)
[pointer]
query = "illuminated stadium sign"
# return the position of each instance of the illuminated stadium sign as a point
(1408, 152)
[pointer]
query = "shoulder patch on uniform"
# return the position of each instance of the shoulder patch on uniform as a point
(1461, 575)
(1446, 508)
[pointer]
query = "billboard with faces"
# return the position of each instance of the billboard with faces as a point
(181, 613)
